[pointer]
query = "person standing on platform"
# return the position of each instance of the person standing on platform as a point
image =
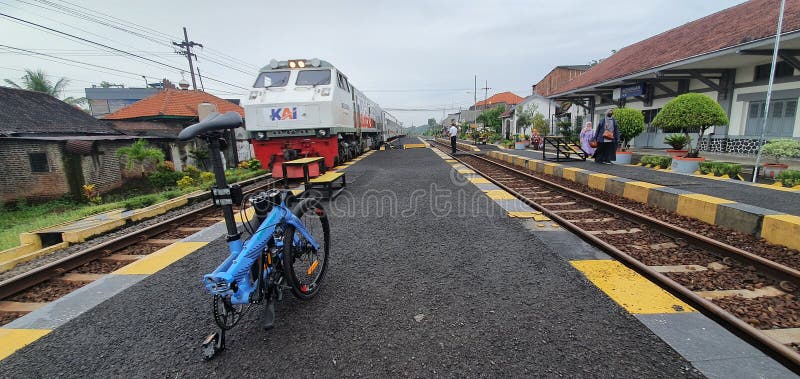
(607, 137)
(453, 135)
(587, 136)
(536, 140)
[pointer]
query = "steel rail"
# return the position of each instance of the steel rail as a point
(38, 275)
(769, 346)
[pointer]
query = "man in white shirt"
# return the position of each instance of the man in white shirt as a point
(453, 135)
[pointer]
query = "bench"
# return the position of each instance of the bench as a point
(325, 183)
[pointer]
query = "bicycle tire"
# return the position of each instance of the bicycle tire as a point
(307, 283)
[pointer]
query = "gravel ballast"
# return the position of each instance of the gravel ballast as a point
(426, 278)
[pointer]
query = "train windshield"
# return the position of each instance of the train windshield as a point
(313, 77)
(279, 79)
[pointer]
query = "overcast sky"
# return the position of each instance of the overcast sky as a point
(413, 54)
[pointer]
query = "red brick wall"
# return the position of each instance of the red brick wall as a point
(556, 78)
(104, 169)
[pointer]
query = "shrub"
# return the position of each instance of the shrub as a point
(191, 171)
(631, 124)
(164, 176)
(720, 169)
(140, 201)
(656, 161)
(691, 112)
(254, 164)
(91, 194)
(789, 178)
(206, 177)
(782, 148)
(677, 141)
(185, 182)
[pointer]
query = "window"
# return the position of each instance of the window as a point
(343, 82)
(279, 79)
(780, 122)
(313, 77)
(38, 162)
(782, 69)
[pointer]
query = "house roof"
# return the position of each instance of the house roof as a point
(24, 112)
(172, 103)
(751, 21)
(578, 67)
(502, 97)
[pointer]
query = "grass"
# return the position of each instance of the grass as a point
(23, 217)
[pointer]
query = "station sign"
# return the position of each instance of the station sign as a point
(629, 91)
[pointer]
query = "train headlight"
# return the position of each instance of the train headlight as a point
(292, 64)
(301, 64)
(261, 135)
(315, 62)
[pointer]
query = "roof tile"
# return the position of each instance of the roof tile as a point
(173, 102)
(502, 97)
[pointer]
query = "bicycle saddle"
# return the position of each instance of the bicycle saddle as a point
(214, 122)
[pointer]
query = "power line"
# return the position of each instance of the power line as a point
(113, 48)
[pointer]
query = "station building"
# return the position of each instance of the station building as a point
(726, 55)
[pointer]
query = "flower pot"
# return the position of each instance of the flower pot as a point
(771, 170)
(686, 165)
(677, 153)
(623, 157)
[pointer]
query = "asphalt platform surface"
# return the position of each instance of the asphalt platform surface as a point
(427, 278)
(782, 201)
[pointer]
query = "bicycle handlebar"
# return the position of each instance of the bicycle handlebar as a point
(214, 122)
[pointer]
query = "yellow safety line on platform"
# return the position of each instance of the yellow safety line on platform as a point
(629, 289)
(465, 171)
(12, 340)
(536, 216)
(160, 259)
(499, 195)
(479, 180)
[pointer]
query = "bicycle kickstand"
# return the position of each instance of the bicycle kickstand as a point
(213, 344)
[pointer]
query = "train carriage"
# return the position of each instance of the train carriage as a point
(308, 108)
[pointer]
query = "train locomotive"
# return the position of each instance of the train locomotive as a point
(308, 108)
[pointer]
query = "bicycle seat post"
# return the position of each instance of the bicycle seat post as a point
(221, 190)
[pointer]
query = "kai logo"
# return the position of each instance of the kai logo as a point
(280, 114)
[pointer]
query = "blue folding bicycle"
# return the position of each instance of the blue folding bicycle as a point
(287, 249)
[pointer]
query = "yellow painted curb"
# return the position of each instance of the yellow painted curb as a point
(8, 264)
(701, 207)
(628, 289)
(782, 229)
(81, 235)
(598, 181)
(570, 173)
(499, 195)
(12, 340)
(638, 191)
(160, 259)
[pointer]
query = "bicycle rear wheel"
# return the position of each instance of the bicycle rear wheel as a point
(303, 265)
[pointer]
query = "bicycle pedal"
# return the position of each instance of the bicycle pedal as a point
(213, 344)
(268, 318)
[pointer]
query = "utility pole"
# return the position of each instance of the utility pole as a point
(475, 93)
(186, 49)
(485, 93)
(202, 87)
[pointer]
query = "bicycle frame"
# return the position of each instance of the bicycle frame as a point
(231, 277)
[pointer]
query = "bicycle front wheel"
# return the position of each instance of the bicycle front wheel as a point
(303, 265)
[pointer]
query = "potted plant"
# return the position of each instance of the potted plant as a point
(677, 141)
(690, 113)
(779, 148)
(630, 123)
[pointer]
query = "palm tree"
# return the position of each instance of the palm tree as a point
(37, 81)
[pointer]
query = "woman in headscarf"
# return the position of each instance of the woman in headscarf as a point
(607, 137)
(587, 136)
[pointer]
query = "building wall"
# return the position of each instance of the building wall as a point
(18, 181)
(556, 78)
(104, 169)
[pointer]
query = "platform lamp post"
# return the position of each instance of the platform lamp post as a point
(769, 89)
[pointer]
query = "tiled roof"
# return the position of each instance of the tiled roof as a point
(502, 97)
(29, 113)
(172, 103)
(747, 22)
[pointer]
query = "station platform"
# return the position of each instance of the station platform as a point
(433, 272)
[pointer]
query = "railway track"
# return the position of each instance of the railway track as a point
(734, 287)
(35, 288)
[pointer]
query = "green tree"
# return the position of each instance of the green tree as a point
(631, 124)
(431, 123)
(491, 118)
(37, 81)
(140, 153)
(525, 116)
(691, 113)
(539, 123)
